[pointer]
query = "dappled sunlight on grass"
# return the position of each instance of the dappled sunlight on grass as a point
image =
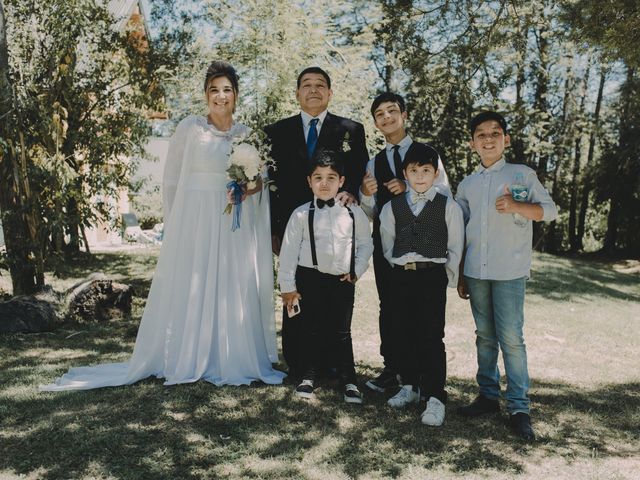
(582, 347)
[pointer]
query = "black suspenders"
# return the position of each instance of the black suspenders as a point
(312, 240)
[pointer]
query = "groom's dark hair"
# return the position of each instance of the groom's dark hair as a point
(313, 70)
(327, 158)
(387, 97)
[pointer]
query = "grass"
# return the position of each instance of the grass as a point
(582, 330)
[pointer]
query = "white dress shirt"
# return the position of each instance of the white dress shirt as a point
(333, 237)
(368, 202)
(306, 120)
(455, 234)
(498, 248)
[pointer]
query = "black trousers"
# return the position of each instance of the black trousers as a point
(382, 271)
(324, 324)
(419, 301)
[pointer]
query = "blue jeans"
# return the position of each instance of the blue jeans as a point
(498, 310)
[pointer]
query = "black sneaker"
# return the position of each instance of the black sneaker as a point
(521, 425)
(352, 394)
(480, 406)
(305, 389)
(383, 382)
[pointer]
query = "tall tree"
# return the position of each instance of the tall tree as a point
(81, 90)
(18, 215)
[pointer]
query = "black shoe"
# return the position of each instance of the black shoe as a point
(480, 406)
(305, 389)
(383, 382)
(521, 425)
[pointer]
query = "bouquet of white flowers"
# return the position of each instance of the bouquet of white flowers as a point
(247, 162)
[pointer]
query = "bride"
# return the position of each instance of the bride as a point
(209, 314)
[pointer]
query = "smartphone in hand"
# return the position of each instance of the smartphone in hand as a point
(294, 309)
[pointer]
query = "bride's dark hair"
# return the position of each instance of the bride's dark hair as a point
(220, 68)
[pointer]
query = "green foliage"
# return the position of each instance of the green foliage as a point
(81, 92)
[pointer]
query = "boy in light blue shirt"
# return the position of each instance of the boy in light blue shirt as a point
(496, 265)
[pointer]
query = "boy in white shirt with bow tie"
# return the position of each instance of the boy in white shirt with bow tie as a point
(325, 249)
(422, 234)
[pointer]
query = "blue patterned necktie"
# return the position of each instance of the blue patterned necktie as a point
(312, 137)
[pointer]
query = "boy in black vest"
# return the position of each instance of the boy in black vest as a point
(325, 249)
(422, 233)
(383, 181)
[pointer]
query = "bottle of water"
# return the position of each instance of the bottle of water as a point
(520, 193)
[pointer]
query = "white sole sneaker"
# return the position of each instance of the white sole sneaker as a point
(305, 395)
(434, 413)
(404, 397)
(356, 398)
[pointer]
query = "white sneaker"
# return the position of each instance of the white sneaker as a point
(434, 414)
(404, 397)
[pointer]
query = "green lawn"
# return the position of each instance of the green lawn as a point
(582, 332)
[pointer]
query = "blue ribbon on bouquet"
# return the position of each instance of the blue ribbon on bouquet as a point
(236, 192)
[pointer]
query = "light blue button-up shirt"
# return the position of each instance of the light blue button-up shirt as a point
(498, 248)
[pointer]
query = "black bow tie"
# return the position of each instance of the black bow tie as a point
(329, 203)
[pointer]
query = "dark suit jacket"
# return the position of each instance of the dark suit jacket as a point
(289, 152)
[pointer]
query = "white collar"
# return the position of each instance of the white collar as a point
(306, 118)
(405, 142)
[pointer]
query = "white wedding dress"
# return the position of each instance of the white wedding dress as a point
(209, 314)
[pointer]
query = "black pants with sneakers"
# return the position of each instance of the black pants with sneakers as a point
(326, 309)
(419, 301)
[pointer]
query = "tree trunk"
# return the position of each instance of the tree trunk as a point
(541, 107)
(517, 142)
(575, 171)
(25, 265)
(584, 200)
(540, 98)
(626, 132)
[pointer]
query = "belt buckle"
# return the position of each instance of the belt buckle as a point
(410, 266)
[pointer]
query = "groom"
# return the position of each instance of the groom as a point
(294, 143)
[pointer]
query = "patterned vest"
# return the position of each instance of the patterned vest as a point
(425, 234)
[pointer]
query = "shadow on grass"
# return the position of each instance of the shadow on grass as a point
(560, 278)
(151, 431)
(134, 268)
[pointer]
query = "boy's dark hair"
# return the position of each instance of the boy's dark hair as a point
(327, 158)
(483, 117)
(422, 154)
(387, 97)
(219, 68)
(313, 70)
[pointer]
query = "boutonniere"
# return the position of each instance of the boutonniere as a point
(346, 146)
